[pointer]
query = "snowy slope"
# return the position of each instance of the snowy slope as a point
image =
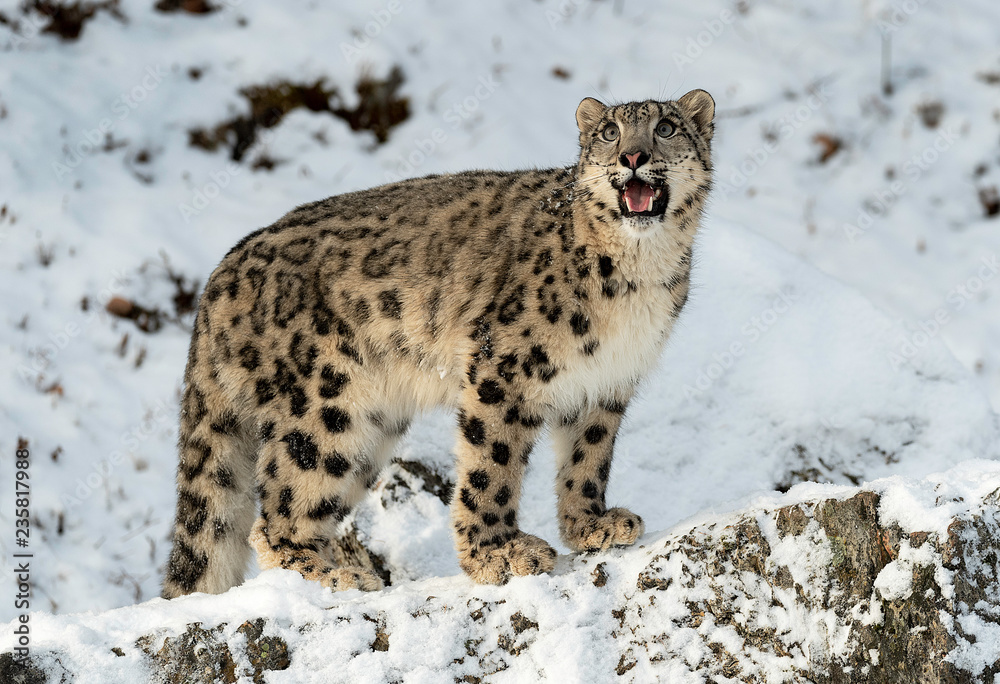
(778, 373)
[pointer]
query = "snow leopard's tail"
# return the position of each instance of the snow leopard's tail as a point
(216, 502)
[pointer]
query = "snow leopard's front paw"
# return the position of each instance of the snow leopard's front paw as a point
(590, 532)
(522, 555)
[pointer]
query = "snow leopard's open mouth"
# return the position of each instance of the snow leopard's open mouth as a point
(640, 199)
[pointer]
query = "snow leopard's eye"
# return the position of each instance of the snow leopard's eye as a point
(610, 133)
(665, 129)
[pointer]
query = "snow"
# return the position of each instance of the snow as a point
(843, 326)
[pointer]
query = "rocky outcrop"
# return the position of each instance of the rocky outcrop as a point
(877, 604)
(830, 589)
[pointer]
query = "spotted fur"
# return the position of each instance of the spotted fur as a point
(518, 298)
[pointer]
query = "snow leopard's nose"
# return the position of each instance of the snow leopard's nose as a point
(633, 160)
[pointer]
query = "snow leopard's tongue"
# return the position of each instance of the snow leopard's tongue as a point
(638, 196)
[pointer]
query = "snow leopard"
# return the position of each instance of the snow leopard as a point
(521, 300)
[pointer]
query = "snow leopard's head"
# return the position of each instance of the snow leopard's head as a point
(646, 160)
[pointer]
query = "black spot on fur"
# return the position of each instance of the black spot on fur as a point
(479, 479)
(336, 465)
(329, 507)
(589, 489)
(590, 347)
(490, 392)
(474, 430)
(267, 431)
(605, 266)
(263, 251)
(194, 405)
(530, 421)
(284, 377)
(512, 307)
(303, 356)
(503, 496)
(578, 456)
(186, 566)
(501, 453)
(389, 304)
(194, 455)
(466, 498)
(350, 352)
(490, 519)
(510, 518)
(271, 468)
(249, 357)
(298, 403)
(538, 355)
(604, 471)
(333, 382)
(301, 449)
(336, 419)
(224, 478)
(613, 406)
(265, 392)
(227, 424)
(595, 433)
(579, 323)
(192, 511)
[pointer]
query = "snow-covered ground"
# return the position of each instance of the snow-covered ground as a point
(845, 323)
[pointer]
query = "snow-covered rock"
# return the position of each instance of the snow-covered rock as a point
(895, 581)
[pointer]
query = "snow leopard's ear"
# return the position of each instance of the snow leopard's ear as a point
(589, 114)
(700, 106)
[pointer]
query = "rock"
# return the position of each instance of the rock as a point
(868, 633)
(200, 656)
(119, 306)
(21, 671)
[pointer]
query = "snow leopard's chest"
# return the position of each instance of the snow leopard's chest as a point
(630, 338)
